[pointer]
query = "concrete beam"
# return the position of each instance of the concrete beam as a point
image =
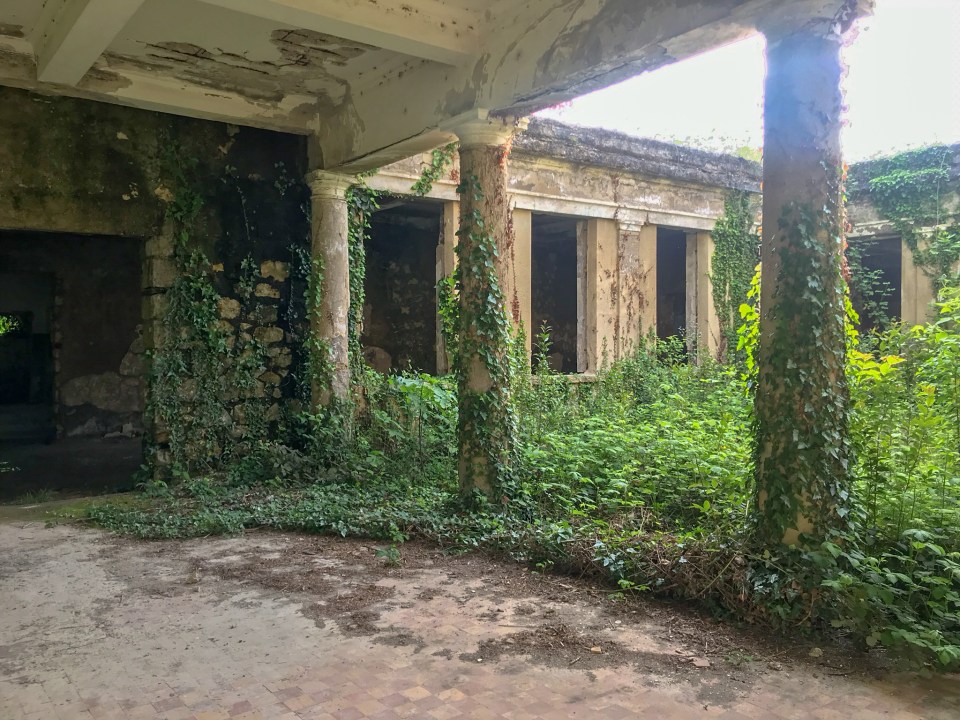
(428, 30)
(536, 55)
(75, 33)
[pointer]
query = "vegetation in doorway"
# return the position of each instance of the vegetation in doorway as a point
(735, 255)
(8, 323)
(917, 192)
(868, 289)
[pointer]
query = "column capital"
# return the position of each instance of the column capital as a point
(329, 185)
(483, 130)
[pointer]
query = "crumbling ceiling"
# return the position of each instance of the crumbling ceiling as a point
(371, 80)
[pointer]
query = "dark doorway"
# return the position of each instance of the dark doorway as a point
(26, 358)
(72, 372)
(671, 283)
(553, 259)
(400, 308)
(875, 267)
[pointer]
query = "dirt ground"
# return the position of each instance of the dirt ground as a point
(271, 625)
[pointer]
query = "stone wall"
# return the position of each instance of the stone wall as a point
(83, 168)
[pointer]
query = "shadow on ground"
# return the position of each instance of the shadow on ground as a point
(74, 466)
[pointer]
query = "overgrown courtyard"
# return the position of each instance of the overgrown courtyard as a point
(643, 478)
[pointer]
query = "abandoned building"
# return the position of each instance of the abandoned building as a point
(612, 241)
(151, 165)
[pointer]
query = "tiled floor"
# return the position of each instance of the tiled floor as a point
(273, 626)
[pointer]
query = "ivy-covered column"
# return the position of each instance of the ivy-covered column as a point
(486, 425)
(802, 447)
(329, 298)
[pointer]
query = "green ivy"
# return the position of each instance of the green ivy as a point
(909, 190)
(803, 451)
(487, 424)
(362, 202)
(735, 256)
(203, 387)
(440, 160)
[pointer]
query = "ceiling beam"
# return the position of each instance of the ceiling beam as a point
(431, 31)
(75, 33)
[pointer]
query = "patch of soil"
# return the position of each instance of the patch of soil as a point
(339, 580)
(400, 638)
(560, 646)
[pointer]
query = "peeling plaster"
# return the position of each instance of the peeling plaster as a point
(14, 31)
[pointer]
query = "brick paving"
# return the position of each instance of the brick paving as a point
(98, 628)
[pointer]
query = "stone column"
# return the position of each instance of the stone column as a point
(446, 264)
(329, 305)
(647, 280)
(602, 301)
(703, 327)
(486, 424)
(802, 449)
(634, 286)
(518, 290)
(916, 290)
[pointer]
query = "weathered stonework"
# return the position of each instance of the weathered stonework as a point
(73, 166)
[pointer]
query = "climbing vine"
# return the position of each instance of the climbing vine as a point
(802, 450)
(440, 160)
(913, 191)
(201, 361)
(735, 256)
(362, 202)
(486, 422)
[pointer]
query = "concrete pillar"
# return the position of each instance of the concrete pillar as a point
(638, 286)
(602, 311)
(801, 407)
(703, 325)
(446, 264)
(486, 425)
(329, 307)
(518, 289)
(916, 290)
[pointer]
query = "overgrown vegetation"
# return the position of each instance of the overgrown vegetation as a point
(736, 253)
(917, 192)
(200, 361)
(8, 323)
(642, 479)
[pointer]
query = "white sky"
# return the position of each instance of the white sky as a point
(903, 88)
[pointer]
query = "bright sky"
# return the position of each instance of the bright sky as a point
(903, 88)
